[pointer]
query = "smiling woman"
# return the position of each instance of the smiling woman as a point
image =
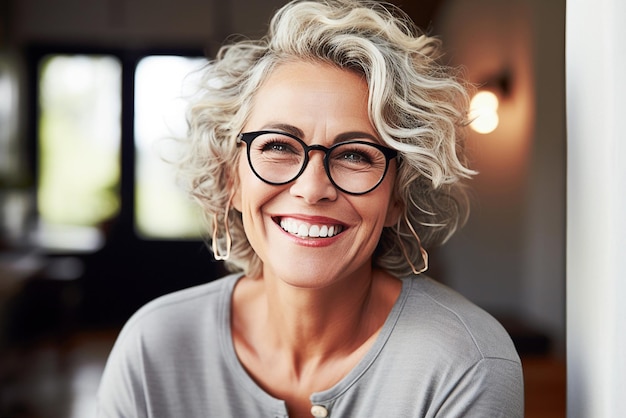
(327, 105)
(324, 157)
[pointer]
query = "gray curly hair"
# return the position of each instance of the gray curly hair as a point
(418, 107)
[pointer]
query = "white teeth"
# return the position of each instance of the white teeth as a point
(306, 230)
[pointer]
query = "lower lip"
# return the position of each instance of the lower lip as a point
(310, 242)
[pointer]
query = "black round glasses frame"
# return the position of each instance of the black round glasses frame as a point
(248, 137)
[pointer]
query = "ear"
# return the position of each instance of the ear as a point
(234, 184)
(235, 201)
(394, 211)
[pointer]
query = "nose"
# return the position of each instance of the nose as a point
(313, 185)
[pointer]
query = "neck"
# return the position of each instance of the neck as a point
(316, 324)
(295, 341)
(319, 320)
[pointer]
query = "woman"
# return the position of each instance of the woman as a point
(322, 155)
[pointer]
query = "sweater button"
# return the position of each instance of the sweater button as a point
(318, 411)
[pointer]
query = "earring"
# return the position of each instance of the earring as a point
(419, 242)
(229, 242)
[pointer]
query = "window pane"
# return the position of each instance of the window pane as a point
(79, 146)
(161, 85)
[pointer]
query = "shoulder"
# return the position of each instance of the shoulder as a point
(167, 338)
(453, 324)
(459, 355)
(181, 311)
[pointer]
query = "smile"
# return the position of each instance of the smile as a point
(305, 230)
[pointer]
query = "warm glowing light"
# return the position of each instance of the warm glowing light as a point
(484, 112)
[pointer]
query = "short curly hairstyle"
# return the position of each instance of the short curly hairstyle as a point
(417, 105)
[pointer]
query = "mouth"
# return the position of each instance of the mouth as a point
(309, 230)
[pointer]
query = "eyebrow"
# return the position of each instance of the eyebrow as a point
(342, 137)
(284, 127)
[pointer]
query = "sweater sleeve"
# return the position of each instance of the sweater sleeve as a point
(493, 387)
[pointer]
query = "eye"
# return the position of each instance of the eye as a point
(351, 160)
(356, 154)
(355, 157)
(277, 146)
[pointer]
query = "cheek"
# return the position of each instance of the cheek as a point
(374, 214)
(252, 194)
(394, 206)
(394, 211)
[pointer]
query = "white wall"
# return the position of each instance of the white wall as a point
(596, 208)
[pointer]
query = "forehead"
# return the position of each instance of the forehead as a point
(311, 92)
(320, 74)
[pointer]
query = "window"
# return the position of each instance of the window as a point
(78, 148)
(87, 161)
(162, 85)
(108, 208)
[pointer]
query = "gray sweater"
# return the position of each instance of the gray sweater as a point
(438, 355)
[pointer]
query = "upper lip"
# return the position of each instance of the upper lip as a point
(310, 219)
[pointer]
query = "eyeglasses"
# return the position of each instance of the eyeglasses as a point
(355, 167)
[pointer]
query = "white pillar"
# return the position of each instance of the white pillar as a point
(596, 207)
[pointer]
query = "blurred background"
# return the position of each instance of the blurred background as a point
(92, 224)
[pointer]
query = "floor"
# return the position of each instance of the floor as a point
(58, 379)
(545, 387)
(54, 379)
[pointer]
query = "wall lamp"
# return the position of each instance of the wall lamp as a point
(484, 104)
